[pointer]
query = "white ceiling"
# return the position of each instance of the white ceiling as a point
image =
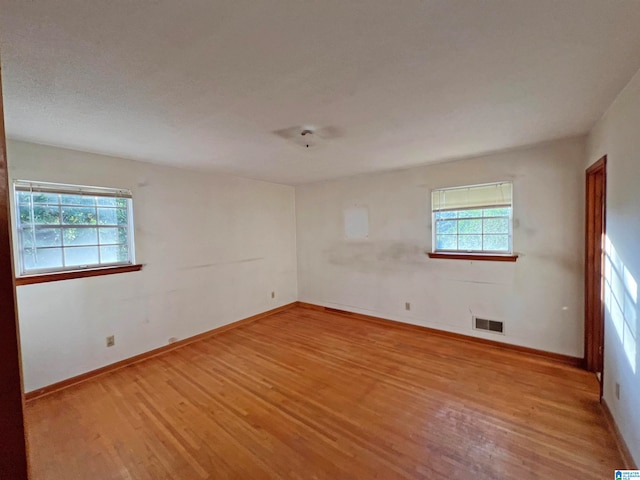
(205, 83)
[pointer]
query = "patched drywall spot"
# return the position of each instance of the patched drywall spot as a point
(356, 223)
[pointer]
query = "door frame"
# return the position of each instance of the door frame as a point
(13, 445)
(595, 231)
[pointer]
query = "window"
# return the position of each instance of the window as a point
(473, 219)
(67, 227)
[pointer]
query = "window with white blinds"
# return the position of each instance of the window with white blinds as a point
(70, 227)
(473, 219)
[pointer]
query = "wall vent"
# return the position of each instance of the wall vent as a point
(493, 326)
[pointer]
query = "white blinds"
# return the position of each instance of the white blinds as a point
(45, 187)
(476, 196)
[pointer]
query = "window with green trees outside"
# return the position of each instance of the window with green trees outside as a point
(68, 227)
(473, 219)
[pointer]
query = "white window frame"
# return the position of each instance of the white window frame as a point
(68, 189)
(434, 230)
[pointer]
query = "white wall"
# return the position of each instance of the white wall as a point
(214, 247)
(617, 135)
(540, 297)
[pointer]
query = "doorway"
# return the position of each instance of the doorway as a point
(596, 192)
(13, 448)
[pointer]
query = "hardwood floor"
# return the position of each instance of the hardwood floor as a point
(314, 395)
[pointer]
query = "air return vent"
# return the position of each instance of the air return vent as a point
(488, 325)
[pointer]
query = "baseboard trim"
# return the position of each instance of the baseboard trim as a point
(41, 392)
(615, 431)
(557, 357)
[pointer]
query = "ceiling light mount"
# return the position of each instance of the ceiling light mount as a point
(307, 140)
(309, 136)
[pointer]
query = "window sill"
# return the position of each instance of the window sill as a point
(88, 272)
(474, 256)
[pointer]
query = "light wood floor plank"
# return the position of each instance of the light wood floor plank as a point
(306, 394)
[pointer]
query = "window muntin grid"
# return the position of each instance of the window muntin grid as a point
(69, 230)
(477, 230)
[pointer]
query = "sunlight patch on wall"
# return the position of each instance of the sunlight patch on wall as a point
(621, 300)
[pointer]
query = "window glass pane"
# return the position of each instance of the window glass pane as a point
(496, 225)
(24, 198)
(78, 215)
(476, 218)
(80, 256)
(496, 243)
(446, 227)
(497, 212)
(108, 202)
(77, 200)
(470, 226)
(446, 242)
(45, 197)
(112, 216)
(470, 213)
(446, 215)
(470, 242)
(44, 215)
(26, 234)
(113, 235)
(28, 259)
(42, 258)
(48, 237)
(25, 214)
(77, 241)
(114, 254)
(80, 236)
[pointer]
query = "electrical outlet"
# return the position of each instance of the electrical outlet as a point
(111, 341)
(273, 294)
(618, 391)
(407, 306)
